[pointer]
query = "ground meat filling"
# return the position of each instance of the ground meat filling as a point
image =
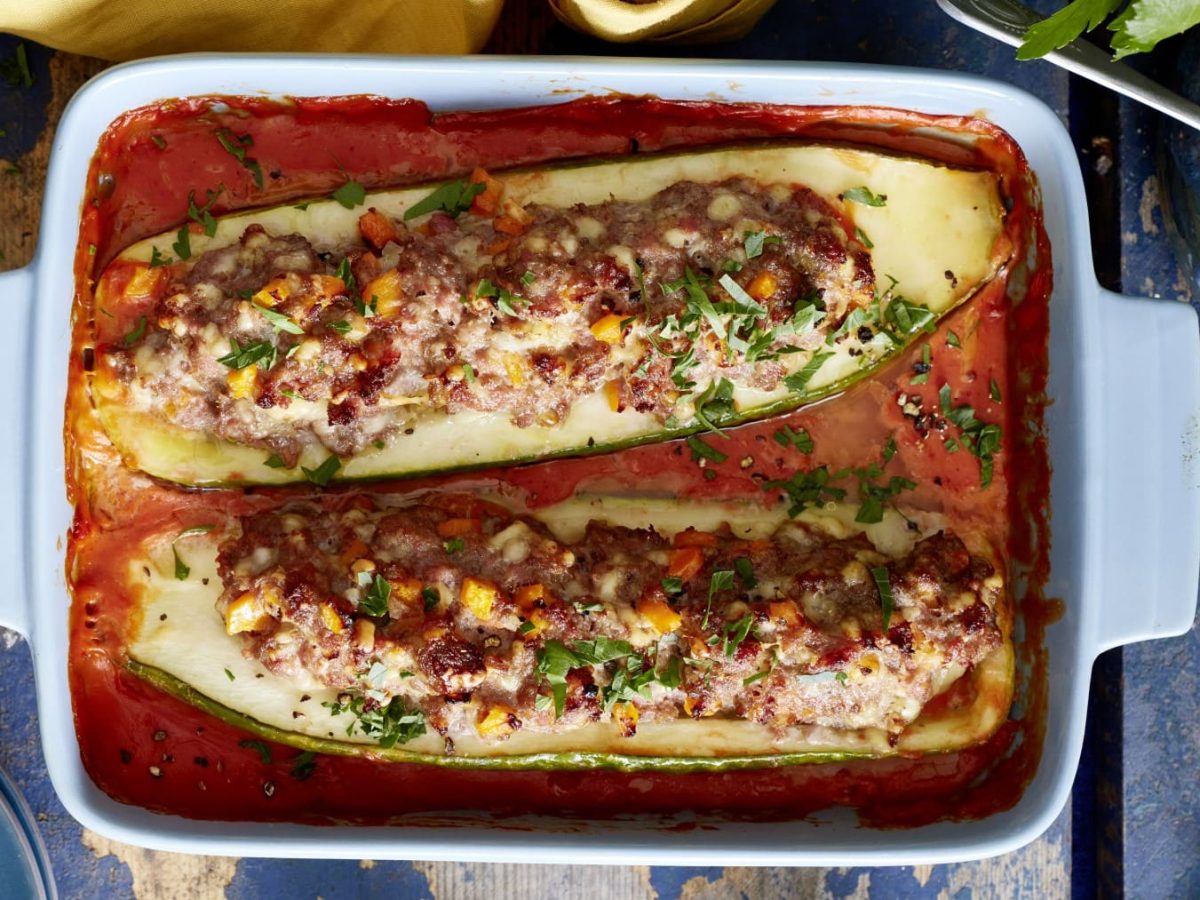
(482, 622)
(270, 344)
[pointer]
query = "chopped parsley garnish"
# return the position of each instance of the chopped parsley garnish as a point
(581, 607)
(525, 627)
(721, 580)
(527, 279)
(735, 633)
(809, 488)
(366, 308)
(759, 676)
(922, 368)
(375, 602)
(16, 71)
(672, 585)
(672, 676)
(182, 570)
(157, 259)
(842, 678)
(865, 196)
(392, 724)
(756, 240)
(994, 390)
(259, 747)
(701, 450)
(982, 439)
(183, 243)
(136, 334)
(506, 300)
(798, 438)
(874, 497)
(453, 198)
(346, 274)
(275, 461)
(889, 450)
(278, 320)
(884, 584)
(952, 340)
(237, 145)
(862, 238)
(716, 404)
(430, 598)
(951, 445)
(909, 318)
(321, 475)
(454, 545)
(468, 373)
(229, 674)
(341, 326)
(159, 141)
(797, 381)
(350, 194)
(303, 765)
(202, 215)
(745, 572)
(240, 356)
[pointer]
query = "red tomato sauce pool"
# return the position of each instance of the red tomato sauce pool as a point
(144, 747)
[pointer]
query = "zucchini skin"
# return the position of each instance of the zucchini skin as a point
(177, 455)
(566, 761)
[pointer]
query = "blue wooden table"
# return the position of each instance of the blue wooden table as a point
(1133, 823)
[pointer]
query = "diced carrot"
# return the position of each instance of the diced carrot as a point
(607, 329)
(458, 527)
(357, 550)
(497, 247)
(693, 538)
(653, 607)
(508, 225)
(407, 591)
(763, 287)
(376, 228)
(488, 200)
(530, 596)
(784, 610)
(685, 562)
(612, 391)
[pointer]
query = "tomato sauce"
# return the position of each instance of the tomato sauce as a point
(147, 748)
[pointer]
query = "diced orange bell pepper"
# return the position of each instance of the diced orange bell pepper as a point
(376, 228)
(487, 201)
(685, 562)
(693, 538)
(653, 607)
(458, 527)
(763, 287)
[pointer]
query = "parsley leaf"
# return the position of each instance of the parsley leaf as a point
(883, 584)
(1146, 22)
(237, 145)
(278, 320)
(721, 580)
(350, 194)
(136, 334)
(735, 633)
(375, 602)
(454, 545)
(392, 724)
(745, 572)
(240, 356)
(862, 238)
(430, 598)
(1064, 26)
(259, 747)
(715, 405)
(341, 326)
(756, 240)
(322, 474)
(909, 318)
(182, 570)
(183, 243)
(797, 381)
(865, 196)
(274, 461)
(672, 585)
(453, 198)
(798, 438)
(701, 450)
(810, 488)
(157, 259)
(202, 215)
(952, 340)
(994, 390)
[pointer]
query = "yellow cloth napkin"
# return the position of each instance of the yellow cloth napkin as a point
(677, 21)
(128, 29)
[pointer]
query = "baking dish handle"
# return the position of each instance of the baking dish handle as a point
(1149, 478)
(16, 304)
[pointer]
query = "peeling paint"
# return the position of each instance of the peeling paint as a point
(761, 884)
(1042, 869)
(167, 876)
(922, 874)
(1148, 204)
(487, 881)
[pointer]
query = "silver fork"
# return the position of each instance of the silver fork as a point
(1007, 20)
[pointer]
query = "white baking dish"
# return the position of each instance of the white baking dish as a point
(1124, 379)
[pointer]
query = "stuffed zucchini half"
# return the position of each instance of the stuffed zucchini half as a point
(548, 312)
(618, 633)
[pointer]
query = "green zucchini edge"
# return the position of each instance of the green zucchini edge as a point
(570, 761)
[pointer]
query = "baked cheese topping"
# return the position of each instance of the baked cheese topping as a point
(454, 616)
